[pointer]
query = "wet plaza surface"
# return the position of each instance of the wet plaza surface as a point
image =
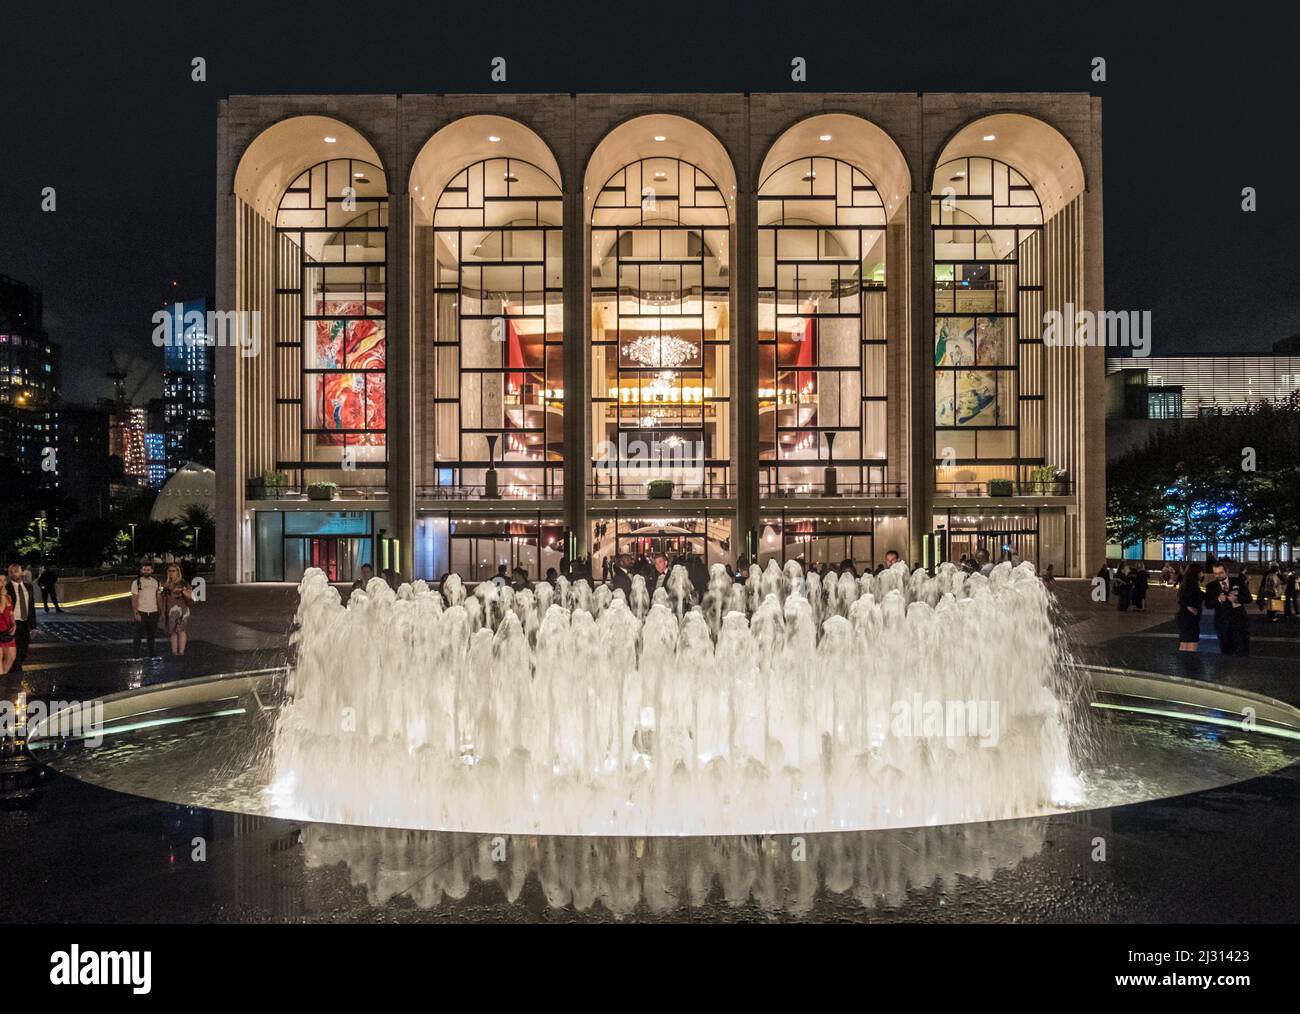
(74, 852)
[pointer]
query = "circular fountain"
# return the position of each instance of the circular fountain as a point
(780, 705)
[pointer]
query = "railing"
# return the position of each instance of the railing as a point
(256, 489)
(614, 488)
(1014, 487)
(510, 491)
(795, 490)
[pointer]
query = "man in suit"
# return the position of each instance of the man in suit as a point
(22, 593)
(622, 577)
(1228, 597)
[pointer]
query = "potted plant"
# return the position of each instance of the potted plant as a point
(321, 491)
(659, 489)
(270, 486)
(998, 487)
(1047, 480)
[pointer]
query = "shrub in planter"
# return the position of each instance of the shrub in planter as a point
(1045, 480)
(999, 487)
(270, 486)
(660, 489)
(321, 491)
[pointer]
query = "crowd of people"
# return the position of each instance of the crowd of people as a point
(1225, 590)
(619, 570)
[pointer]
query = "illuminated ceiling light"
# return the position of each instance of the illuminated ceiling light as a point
(661, 175)
(510, 177)
(809, 176)
(824, 137)
(660, 137)
(330, 140)
(664, 352)
(493, 138)
(990, 137)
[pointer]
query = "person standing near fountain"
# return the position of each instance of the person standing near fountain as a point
(1228, 597)
(22, 595)
(8, 631)
(1190, 601)
(176, 598)
(144, 607)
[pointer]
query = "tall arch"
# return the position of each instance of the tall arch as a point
(1006, 213)
(309, 272)
(487, 254)
(660, 196)
(829, 327)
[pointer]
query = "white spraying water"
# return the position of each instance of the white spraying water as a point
(786, 704)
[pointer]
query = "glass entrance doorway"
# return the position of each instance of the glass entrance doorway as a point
(707, 535)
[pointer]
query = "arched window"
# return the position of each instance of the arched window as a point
(988, 348)
(497, 330)
(331, 302)
(821, 328)
(660, 336)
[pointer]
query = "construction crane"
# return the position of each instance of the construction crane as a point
(119, 374)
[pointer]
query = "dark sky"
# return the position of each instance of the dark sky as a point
(96, 100)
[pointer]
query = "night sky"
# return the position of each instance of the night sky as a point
(96, 100)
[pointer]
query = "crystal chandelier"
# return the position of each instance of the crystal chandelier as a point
(661, 388)
(662, 352)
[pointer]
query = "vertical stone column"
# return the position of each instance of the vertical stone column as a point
(230, 410)
(745, 392)
(577, 310)
(1090, 392)
(401, 386)
(920, 387)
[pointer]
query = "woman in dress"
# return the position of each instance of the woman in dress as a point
(1190, 600)
(177, 597)
(8, 631)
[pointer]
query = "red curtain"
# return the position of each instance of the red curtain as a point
(514, 357)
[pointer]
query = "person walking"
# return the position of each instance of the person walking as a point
(22, 593)
(1190, 601)
(144, 607)
(176, 599)
(48, 583)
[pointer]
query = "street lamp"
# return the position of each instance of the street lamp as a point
(132, 524)
(40, 527)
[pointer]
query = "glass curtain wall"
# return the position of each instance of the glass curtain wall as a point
(331, 326)
(493, 377)
(988, 349)
(821, 329)
(660, 341)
